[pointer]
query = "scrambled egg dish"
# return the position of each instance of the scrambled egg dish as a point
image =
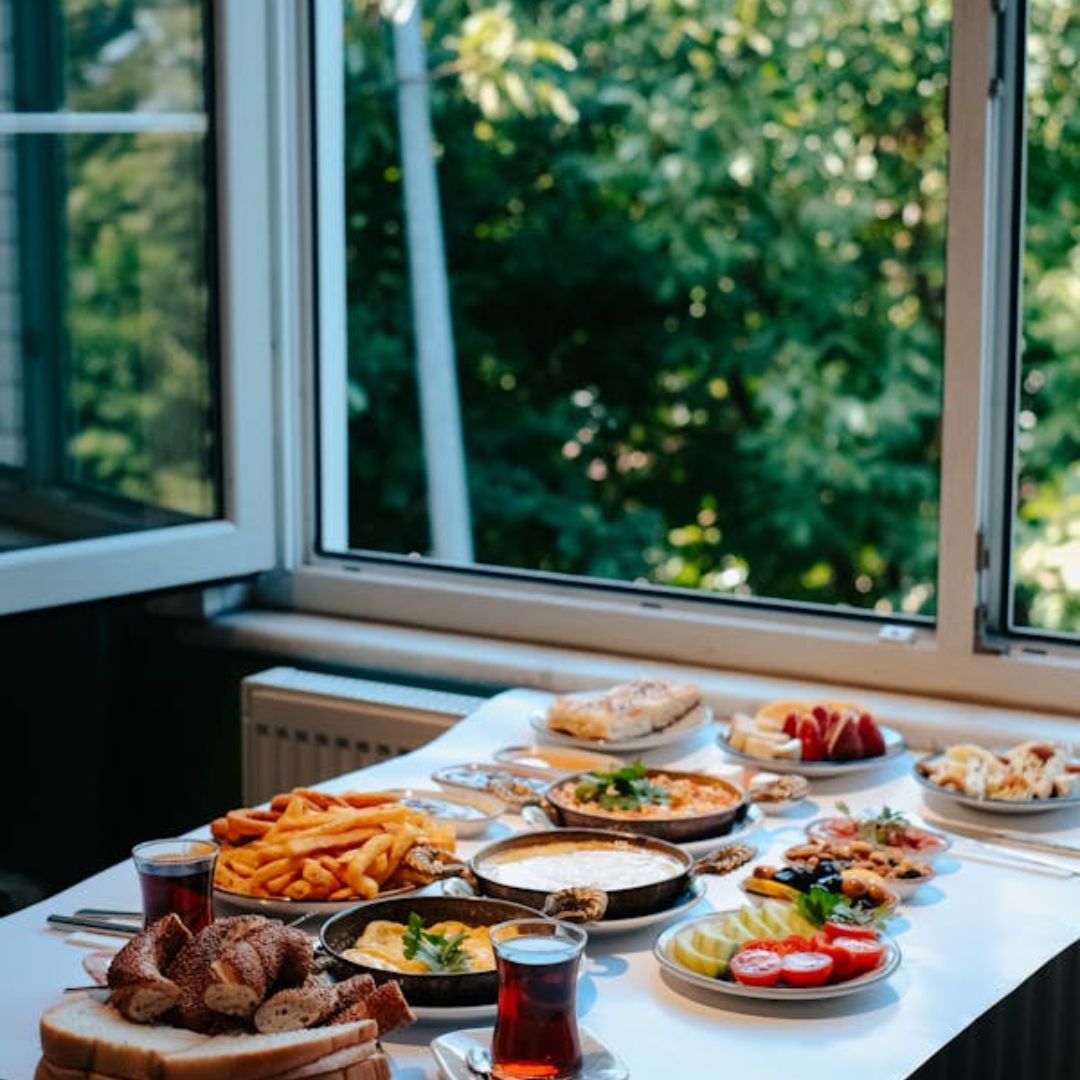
(382, 946)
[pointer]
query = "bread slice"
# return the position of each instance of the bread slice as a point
(336, 1066)
(86, 1035)
(627, 711)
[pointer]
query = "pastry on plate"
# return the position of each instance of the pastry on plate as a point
(627, 711)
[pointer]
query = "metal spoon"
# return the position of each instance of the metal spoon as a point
(479, 1062)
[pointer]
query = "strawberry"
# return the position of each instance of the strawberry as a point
(809, 734)
(821, 714)
(872, 740)
(844, 743)
(791, 724)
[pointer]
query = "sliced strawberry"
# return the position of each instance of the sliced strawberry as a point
(809, 734)
(820, 713)
(872, 740)
(844, 743)
(791, 724)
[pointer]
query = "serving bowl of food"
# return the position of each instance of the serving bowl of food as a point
(436, 947)
(886, 828)
(595, 875)
(467, 813)
(664, 803)
(557, 758)
(902, 873)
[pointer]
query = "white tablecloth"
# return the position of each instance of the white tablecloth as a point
(968, 939)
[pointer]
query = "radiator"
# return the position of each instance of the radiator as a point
(300, 727)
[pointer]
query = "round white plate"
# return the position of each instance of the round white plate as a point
(685, 902)
(562, 761)
(675, 733)
(288, 910)
(664, 953)
(998, 806)
(490, 807)
(538, 821)
(894, 745)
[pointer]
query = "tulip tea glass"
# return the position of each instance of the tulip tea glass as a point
(177, 876)
(536, 1035)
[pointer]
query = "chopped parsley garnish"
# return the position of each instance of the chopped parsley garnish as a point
(621, 789)
(819, 905)
(439, 951)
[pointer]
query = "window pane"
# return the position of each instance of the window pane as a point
(109, 55)
(108, 417)
(696, 262)
(1047, 552)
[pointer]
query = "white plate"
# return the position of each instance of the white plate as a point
(459, 1014)
(674, 733)
(288, 910)
(998, 806)
(685, 902)
(562, 761)
(540, 822)
(894, 745)
(490, 806)
(449, 1050)
(664, 953)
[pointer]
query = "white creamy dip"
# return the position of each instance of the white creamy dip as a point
(580, 865)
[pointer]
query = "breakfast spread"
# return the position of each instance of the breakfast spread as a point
(1031, 770)
(808, 731)
(313, 846)
(627, 711)
(567, 864)
(447, 946)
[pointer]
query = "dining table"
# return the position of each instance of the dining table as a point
(992, 916)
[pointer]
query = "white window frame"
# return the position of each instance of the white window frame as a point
(241, 541)
(955, 658)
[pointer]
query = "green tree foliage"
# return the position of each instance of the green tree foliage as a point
(696, 258)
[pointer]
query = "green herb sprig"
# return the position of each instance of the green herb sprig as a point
(441, 953)
(621, 789)
(879, 828)
(819, 905)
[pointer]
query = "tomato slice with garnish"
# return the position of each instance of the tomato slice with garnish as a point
(834, 929)
(833, 828)
(843, 967)
(755, 967)
(864, 955)
(806, 969)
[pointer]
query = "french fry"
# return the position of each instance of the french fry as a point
(311, 845)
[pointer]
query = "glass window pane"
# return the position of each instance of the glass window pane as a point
(109, 55)
(696, 265)
(108, 384)
(1047, 535)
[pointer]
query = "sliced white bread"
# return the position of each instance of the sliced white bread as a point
(87, 1035)
(376, 1066)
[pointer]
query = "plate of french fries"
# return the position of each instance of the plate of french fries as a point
(313, 852)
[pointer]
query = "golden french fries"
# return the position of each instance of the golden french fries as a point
(311, 845)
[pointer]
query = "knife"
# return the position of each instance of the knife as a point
(102, 926)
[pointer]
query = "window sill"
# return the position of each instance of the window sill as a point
(926, 722)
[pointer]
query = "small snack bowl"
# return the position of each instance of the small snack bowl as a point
(468, 813)
(560, 759)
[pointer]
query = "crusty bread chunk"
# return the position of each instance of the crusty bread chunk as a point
(626, 711)
(84, 1034)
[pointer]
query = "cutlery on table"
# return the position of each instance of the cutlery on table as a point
(1011, 837)
(101, 926)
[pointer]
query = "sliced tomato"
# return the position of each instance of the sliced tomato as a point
(834, 929)
(755, 967)
(775, 945)
(833, 828)
(797, 943)
(843, 966)
(806, 968)
(864, 955)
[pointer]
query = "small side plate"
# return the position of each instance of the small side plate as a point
(450, 1051)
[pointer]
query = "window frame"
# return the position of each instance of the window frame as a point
(956, 657)
(241, 540)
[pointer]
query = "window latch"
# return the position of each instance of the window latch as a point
(999, 10)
